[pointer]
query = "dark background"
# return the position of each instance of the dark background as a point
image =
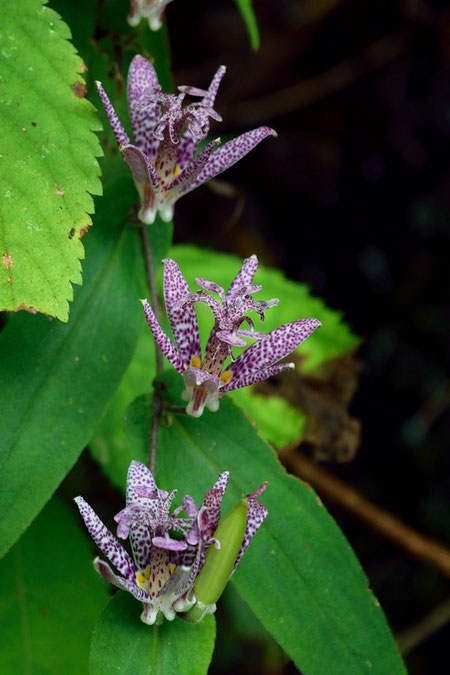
(353, 198)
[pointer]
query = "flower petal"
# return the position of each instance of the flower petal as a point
(229, 154)
(146, 181)
(210, 96)
(105, 540)
(192, 170)
(127, 585)
(255, 517)
(275, 346)
(162, 340)
(144, 113)
(183, 320)
(243, 278)
(140, 484)
(254, 378)
(116, 125)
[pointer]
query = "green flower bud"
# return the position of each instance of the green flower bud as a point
(219, 563)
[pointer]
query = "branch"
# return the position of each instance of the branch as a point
(416, 544)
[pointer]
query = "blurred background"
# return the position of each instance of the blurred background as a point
(353, 198)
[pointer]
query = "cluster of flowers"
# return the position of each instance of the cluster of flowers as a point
(165, 569)
(171, 553)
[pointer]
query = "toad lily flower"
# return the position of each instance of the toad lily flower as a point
(169, 550)
(147, 9)
(164, 163)
(205, 379)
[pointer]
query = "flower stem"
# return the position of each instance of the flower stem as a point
(157, 402)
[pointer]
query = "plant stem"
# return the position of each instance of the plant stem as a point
(157, 402)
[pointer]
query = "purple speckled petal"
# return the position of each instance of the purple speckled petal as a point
(183, 320)
(255, 517)
(243, 278)
(116, 126)
(141, 485)
(210, 97)
(186, 150)
(191, 171)
(144, 114)
(254, 378)
(274, 347)
(228, 154)
(106, 541)
(124, 584)
(162, 340)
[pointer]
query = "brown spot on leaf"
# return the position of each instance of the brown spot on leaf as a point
(79, 89)
(26, 309)
(9, 280)
(83, 68)
(71, 233)
(33, 124)
(84, 230)
(7, 261)
(58, 191)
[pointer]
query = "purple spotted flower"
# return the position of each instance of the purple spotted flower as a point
(152, 10)
(205, 378)
(164, 163)
(169, 549)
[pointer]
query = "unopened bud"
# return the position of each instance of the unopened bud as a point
(219, 562)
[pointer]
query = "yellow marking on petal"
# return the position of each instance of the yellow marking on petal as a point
(172, 569)
(195, 361)
(226, 376)
(140, 580)
(176, 171)
(147, 572)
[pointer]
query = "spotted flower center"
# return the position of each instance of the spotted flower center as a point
(153, 579)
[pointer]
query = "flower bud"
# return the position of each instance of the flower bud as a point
(219, 562)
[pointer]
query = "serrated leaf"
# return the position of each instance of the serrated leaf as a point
(122, 643)
(58, 379)
(47, 161)
(49, 597)
(299, 575)
(246, 10)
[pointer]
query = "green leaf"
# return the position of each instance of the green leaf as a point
(58, 379)
(246, 9)
(299, 576)
(122, 643)
(50, 597)
(267, 411)
(47, 163)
